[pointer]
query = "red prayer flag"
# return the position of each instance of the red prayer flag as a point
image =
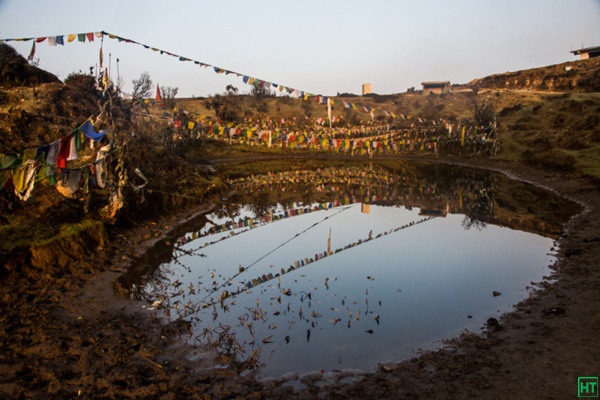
(158, 97)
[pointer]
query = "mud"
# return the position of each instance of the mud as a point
(72, 335)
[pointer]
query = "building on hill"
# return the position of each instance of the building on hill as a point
(437, 87)
(366, 89)
(588, 52)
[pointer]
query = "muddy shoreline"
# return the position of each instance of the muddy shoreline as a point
(71, 336)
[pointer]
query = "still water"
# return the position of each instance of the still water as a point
(344, 267)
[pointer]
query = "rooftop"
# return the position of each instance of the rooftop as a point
(592, 49)
(436, 83)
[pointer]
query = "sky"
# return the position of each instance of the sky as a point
(318, 46)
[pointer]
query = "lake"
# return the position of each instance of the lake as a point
(345, 266)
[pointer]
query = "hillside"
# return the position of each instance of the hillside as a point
(36, 110)
(581, 76)
(546, 116)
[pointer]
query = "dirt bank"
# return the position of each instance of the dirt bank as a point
(72, 335)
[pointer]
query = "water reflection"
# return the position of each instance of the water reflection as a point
(343, 267)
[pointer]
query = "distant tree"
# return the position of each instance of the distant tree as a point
(259, 95)
(168, 95)
(142, 87)
(484, 113)
(307, 107)
(227, 105)
(231, 90)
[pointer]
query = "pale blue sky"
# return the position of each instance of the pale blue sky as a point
(318, 46)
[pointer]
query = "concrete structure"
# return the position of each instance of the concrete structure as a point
(366, 88)
(437, 87)
(588, 52)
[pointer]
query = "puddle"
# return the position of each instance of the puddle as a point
(346, 267)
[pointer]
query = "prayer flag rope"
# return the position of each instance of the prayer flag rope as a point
(59, 40)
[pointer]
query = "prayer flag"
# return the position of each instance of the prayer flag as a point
(158, 96)
(89, 131)
(329, 111)
(32, 53)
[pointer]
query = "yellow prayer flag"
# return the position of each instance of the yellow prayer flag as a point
(462, 137)
(190, 124)
(71, 37)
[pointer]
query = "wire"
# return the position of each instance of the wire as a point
(274, 250)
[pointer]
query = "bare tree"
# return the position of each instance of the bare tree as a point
(260, 94)
(484, 113)
(168, 95)
(307, 107)
(231, 90)
(142, 87)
